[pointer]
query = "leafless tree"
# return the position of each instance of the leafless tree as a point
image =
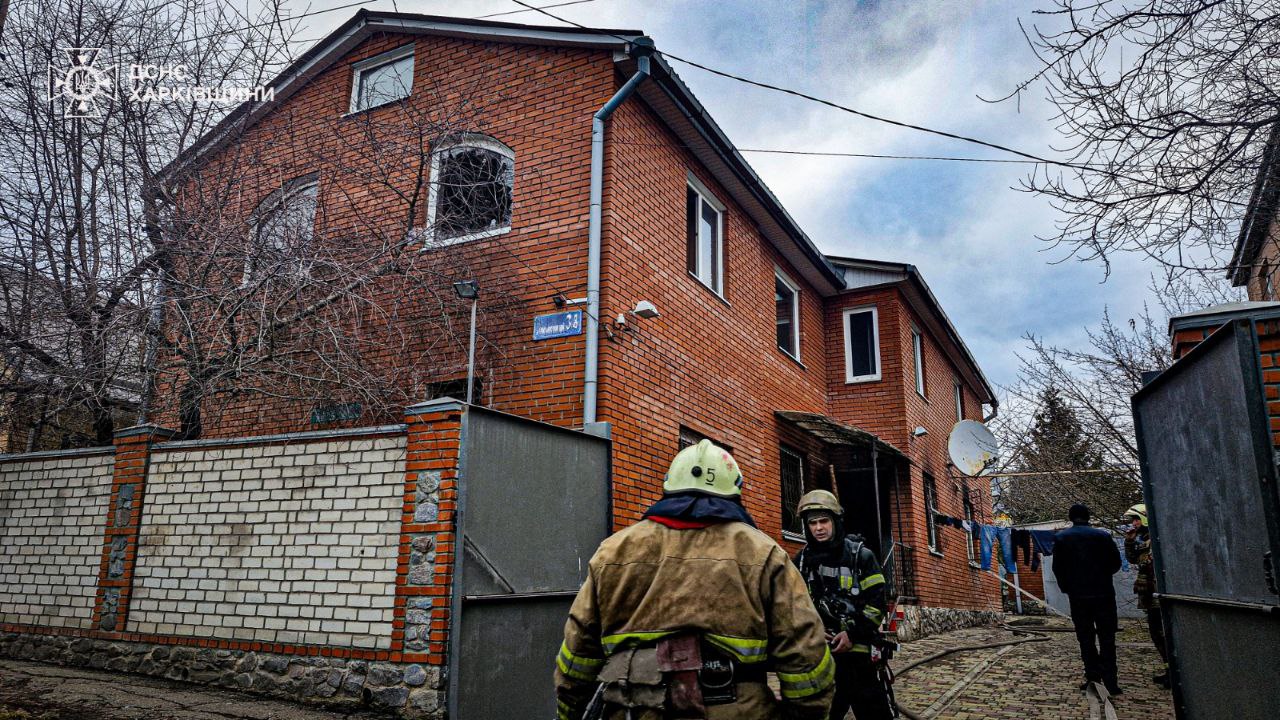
(1099, 463)
(1166, 107)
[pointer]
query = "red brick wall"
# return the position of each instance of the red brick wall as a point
(538, 101)
(708, 363)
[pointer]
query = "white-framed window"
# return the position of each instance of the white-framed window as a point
(1268, 286)
(917, 354)
(786, 298)
(970, 544)
(472, 181)
(791, 473)
(281, 231)
(382, 79)
(704, 235)
(959, 401)
(861, 344)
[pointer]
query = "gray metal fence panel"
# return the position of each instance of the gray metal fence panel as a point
(1209, 478)
(534, 505)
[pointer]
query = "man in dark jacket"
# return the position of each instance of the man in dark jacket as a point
(1084, 559)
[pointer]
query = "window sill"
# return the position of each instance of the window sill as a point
(710, 289)
(936, 553)
(862, 379)
(974, 566)
(424, 236)
(355, 113)
(792, 358)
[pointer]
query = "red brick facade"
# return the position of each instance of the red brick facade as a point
(709, 363)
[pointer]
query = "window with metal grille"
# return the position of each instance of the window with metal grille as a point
(969, 515)
(791, 472)
(931, 507)
(473, 179)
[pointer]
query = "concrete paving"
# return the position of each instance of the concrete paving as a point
(1032, 680)
(1017, 682)
(35, 691)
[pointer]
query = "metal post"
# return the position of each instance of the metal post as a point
(875, 480)
(1017, 596)
(471, 353)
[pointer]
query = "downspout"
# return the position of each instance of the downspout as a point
(641, 48)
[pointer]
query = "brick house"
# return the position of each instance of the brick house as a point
(849, 377)
(1256, 260)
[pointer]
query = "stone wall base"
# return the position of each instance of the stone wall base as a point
(919, 622)
(414, 692)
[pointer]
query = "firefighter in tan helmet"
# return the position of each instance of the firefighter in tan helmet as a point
(682, 614)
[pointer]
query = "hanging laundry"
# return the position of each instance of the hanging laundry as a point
(1043, 541)
(1005, 536)
(1022, 542)
(986, 536)
(968, 526)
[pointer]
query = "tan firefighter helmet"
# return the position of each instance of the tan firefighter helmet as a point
(1139, 511)
(820, 500)
(704, 468)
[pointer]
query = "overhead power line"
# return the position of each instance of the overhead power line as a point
(889, 121)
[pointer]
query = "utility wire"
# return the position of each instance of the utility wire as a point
(889, 121)
(544, 7)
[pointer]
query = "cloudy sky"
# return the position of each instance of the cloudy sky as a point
(971, 234)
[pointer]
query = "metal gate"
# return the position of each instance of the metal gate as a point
(1209, 475)
(533, 506)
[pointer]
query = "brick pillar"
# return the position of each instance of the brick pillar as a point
(424, 572)
(124, 517)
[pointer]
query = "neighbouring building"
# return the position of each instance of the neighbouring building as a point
(847, 376)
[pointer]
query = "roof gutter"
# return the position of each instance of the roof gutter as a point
(641, 49)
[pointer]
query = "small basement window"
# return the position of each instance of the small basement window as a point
(787, 305)
(382, 79)
(704, 243)
(473, 178)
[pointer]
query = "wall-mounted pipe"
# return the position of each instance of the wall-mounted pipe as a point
(641, 48)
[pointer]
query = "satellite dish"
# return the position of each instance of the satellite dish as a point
(972, 447)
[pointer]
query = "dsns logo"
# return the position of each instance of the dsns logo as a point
(81, 84)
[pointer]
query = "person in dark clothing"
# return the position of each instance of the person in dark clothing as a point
(1084, 559)
(846, 582)
(1137, 549)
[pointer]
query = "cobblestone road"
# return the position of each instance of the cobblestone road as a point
(1031, 680)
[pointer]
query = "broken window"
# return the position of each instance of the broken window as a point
(282, 229)
(471, 190)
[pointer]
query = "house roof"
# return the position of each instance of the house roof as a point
(1259, 214)
(861, 274)
(667, 95)
(1216, 315)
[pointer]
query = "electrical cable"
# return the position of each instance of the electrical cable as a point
(890, 121)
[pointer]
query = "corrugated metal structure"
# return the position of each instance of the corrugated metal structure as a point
(1209, 476)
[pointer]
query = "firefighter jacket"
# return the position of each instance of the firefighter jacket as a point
(849, 570)
(728, 582)
(1137, 550)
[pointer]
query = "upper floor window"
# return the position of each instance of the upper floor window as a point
(382, 79)
(861, 344)
(282, 229)
(959, 401)
(1267, 285)
(704, 228)
(917, 353)
(791, 473)
(472, 179)
(786, 298)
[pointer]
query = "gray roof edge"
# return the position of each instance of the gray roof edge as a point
(711, 130)
(361, 25)
(1216, 315)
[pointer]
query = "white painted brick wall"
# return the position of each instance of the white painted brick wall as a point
(52, 511)
(272, 543)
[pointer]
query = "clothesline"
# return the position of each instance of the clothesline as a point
(1033, 544)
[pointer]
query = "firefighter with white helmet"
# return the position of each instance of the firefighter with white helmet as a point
(682, 614)
(847, 585)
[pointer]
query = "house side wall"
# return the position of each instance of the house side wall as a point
(709, 363)
(536, 100)
(51, 516)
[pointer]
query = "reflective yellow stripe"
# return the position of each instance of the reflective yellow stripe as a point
(745, 650)
(846, 582)
(873, 614)
(799, 685)
(872, 581)
(613, 643)
(860, 649)
(577, 666)
(563, 712)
